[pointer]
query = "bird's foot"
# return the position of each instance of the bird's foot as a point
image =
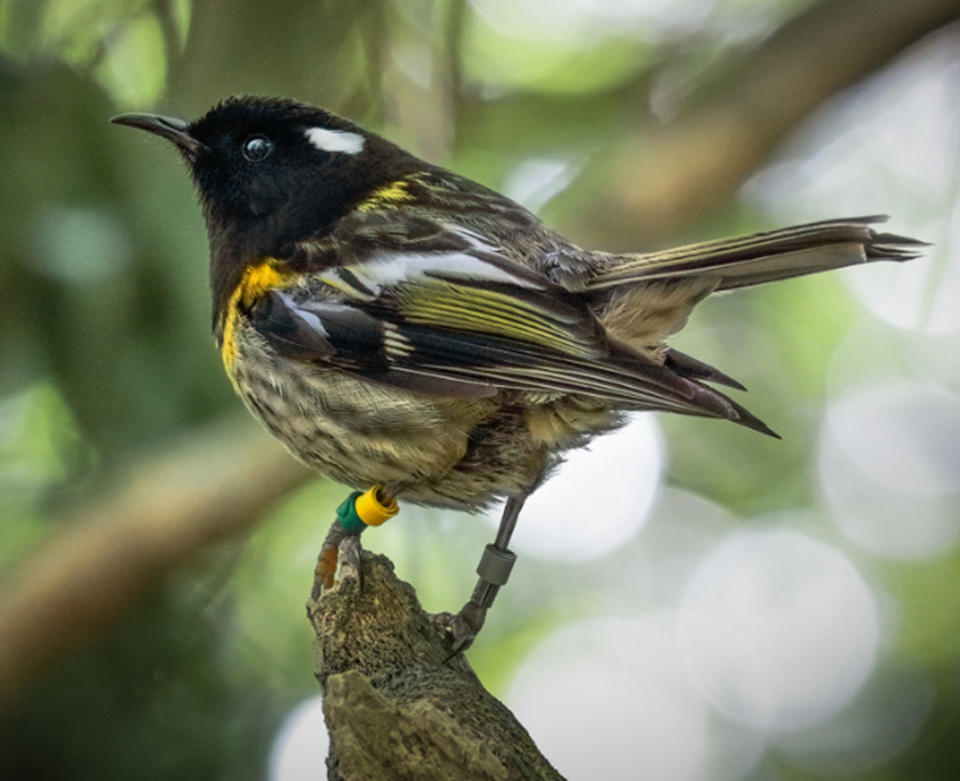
(356, 513)
(463, 627)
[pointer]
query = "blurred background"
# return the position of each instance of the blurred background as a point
(692, 601)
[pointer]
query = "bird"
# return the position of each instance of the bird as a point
(417, 336)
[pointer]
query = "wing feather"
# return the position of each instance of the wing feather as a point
(458, 363)
(432, 307)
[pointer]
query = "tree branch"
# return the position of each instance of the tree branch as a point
(395, 707)
(217, 483)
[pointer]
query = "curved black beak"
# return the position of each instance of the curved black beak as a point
(175, 130)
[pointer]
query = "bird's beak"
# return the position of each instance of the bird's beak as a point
(175, 130)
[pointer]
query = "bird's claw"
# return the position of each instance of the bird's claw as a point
(462, 627)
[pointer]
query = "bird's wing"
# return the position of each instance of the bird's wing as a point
(458, 319)
(762, 257)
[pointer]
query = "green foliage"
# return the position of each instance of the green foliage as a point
(125, 45)
(106, 355)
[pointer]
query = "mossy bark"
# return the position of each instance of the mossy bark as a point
(397, 706)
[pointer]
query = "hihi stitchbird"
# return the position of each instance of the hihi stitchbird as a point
(415, 335)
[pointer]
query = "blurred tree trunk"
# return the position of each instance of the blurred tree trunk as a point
(666, 174)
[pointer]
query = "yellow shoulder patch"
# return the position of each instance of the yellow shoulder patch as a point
(258, 279)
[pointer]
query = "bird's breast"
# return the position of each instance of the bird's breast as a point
(353, 430)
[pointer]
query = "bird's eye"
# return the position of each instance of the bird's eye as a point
(257, 148)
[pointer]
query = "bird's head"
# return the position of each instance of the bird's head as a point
(272, 172)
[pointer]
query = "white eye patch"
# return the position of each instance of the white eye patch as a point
(335, 140)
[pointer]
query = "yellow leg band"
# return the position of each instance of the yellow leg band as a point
(372, 511)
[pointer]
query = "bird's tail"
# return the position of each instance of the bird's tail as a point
(762, 257)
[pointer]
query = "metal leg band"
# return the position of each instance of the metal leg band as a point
(495, 565)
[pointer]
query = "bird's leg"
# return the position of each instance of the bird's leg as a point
(355, 514)
(325, 574)
(494, 570)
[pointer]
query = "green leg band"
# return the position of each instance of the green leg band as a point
(347, 515)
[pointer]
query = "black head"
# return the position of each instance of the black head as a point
(272, 172)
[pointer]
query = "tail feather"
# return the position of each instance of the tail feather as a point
(763, 257)
(709, 403)
(689, 367)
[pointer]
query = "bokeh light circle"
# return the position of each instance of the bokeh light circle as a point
(608, 698)
(889, 466)
(597, 500)
(299, 751)
(779, 630)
